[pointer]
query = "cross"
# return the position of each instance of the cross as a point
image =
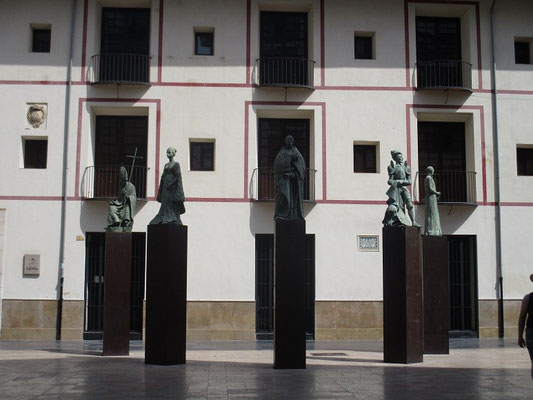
(135, 156)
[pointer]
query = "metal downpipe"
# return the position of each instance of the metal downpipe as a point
(60, 277)
(498, 217)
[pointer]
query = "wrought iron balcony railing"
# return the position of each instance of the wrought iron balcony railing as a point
(285, 72)
(132, 69)
(456, 187)
(101, 182)
(455, 75)
(263, 188)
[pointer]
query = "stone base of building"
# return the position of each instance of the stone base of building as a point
(235, 320)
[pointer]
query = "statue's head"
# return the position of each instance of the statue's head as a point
(397, 156)
(123, 174)
(531, 277)
(289, 141)
(171, 152)
(430, 170)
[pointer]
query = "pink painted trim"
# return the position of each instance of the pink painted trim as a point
(324, 155)
(515, 91)
(84, 40)
(160, 42)
(454, 107)
(246, 143)
(368, 88)
(40, 198)
(478, 33)
(204, 84)
(322, 44)
(217, 200)
(157, 145)
(359, 202)
(82, 101)
(44, 83)
(248, 35)
(516, 204)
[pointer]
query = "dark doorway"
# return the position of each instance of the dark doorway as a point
(442, 146)
(264, 286)
(94, 285)
(116, 140)
(271, 138)
(438, 52)
(463, 286)
(283, 48)
(125, 45)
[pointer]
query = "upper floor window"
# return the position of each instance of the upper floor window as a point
(124, 46)
(364, 157)
(439, 56)
(202, 156)
(364, 45)
(522, 48)
(204, 43)
(35, 152)
(524, 160)
(41, 38)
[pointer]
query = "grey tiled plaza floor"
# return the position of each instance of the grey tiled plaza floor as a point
(475, 369)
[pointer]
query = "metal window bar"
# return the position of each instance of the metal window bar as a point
(455, 186)
(285, 71)
(121, 68)
(101, 182)
(264, 189)
(444, 74)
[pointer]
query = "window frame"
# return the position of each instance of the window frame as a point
(204, 31)
(365, 35)
(29, 160)
(368, 145)
(527, 44)
(41, 28)
(203, 143)
(520, 170)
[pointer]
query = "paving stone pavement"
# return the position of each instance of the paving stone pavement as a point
(475, 369)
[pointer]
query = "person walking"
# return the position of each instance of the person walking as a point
(526, 310)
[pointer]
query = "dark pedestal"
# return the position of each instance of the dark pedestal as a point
(436, 295)
(290, 294)
(117, 294)
(403, 323)
(166, 294)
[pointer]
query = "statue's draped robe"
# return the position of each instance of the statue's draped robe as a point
(170, 195)
(122, 209)
(399, 179)
(289, 178)
(432, 227)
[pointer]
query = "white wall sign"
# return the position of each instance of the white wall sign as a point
(32, 264)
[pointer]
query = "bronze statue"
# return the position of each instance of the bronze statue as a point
(289, 177)
(399, 197)
(170, 193)
(432, 226)
(122, 209)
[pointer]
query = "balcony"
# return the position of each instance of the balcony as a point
(444, 75)
(263, 188)
(125, 69)
(101, 182)
(456, 187)
(284, 72)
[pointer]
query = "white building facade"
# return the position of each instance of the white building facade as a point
(223, 82)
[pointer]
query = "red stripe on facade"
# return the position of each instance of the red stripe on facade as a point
(478, 43)
(217, 200)
(204, 84)
(406, 39)
(358, 202)
(157, 145)
(322, 45)
(324, 155)
(248, 33)
(78, 147)
(246, 138)
(84, 40)
(515, 92)
(39, 198)
(160, 42)
(483, 156)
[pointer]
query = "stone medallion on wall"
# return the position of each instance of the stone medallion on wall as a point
(36, 116)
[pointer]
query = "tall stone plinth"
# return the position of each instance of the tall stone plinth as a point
(403, 311)
(290, 295)
(117, 283)
(436, 295)
(166, 294)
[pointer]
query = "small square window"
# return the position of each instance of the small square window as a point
(35, 153)
(202, 156)
(524, 160)
(521, 52)
(364, 158)
(204, 43)
(363, 46)
(41, 40)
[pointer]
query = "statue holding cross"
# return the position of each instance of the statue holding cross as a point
(122, 209)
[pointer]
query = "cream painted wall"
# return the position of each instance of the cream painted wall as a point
(221, 234)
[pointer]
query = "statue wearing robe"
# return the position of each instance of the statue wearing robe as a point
(432, 220)
(170, 193)
(289, 178)
(122, 209)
